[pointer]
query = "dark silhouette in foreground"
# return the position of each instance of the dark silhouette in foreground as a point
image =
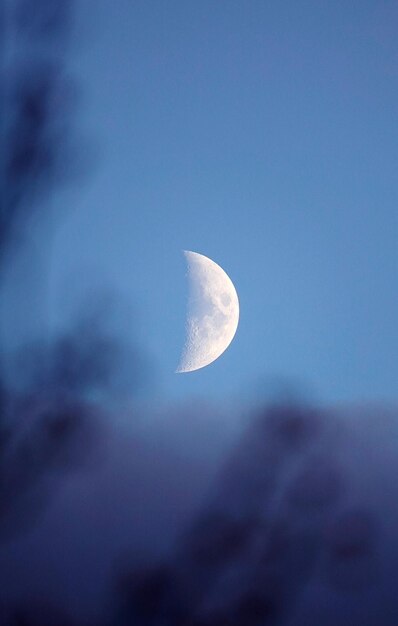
(279, 518)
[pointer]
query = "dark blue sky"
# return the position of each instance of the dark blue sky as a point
(263, 135)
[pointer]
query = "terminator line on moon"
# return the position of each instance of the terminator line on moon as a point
(213, 313)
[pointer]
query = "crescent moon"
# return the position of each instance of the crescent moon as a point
(213, 313)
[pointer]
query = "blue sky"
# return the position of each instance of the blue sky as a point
(263, 135)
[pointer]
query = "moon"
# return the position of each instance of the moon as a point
(213, 313)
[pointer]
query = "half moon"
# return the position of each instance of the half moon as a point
(213, 313)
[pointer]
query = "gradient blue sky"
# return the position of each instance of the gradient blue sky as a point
(263, 135)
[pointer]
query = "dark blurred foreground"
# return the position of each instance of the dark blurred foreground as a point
(296, 531)
(293, 524)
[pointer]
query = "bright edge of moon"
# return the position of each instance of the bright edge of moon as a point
(213, 313)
